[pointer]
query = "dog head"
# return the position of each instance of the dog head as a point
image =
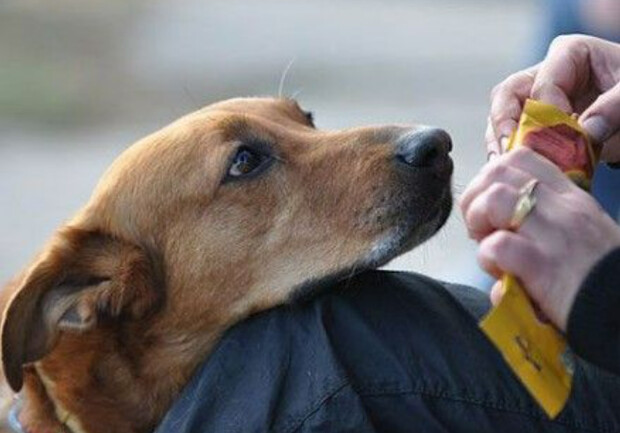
(223, 213)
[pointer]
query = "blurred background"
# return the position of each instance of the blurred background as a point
(80, 81)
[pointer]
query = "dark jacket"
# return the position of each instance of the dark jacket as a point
(383, 352)
(593, 328)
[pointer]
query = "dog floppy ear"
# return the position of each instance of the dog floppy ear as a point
(81, 277)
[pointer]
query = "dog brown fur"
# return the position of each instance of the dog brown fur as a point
(106, 326)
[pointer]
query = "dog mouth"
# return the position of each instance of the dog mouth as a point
(399, 239)
(403, 216)
(409, 233)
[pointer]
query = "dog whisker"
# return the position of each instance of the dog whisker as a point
(283, 77)
(189, 96)
(296, 93)
(458, 187)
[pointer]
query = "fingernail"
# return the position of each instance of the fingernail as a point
(507, 129)
(597, 128)
(503, 142)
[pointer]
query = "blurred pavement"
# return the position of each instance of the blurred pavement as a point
(99, 80)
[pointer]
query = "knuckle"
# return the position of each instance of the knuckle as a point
(559, 40)
(497, 89)
(477, 210)
(519, 154)
(485, 258)
(510, 85)
(541, 85)
(492, 170)
(498, 205)
(488, 249)
(500, 243)
(473, 217)
(573, 45)
(515, 80)
(498, 171)
(563, 42)
(498, 192)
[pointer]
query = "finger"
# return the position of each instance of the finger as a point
(602, 119)
(611, 149)
(494, 209)
(538, 167)
(493, 172)
(515, 168)
(564, 72)
(491, 143)
(508, 252)
(497, 293)
(503, 143)
(491, 210)
(507, 99)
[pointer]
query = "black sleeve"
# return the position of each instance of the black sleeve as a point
(381, 352)
(593, 328)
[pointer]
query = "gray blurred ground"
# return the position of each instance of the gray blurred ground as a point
(79, 81)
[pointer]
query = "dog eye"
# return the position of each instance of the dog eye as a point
(245, 162)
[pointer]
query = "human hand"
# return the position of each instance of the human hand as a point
(553, 250)
(580, 74)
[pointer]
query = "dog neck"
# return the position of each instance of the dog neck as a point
(16, 426)
(105, 388)
(35, 411)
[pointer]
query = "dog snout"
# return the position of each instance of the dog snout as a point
(426, 148)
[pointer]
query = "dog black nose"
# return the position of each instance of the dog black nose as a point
(423, 148)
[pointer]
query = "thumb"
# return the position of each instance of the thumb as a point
(602, 119)
(497, 293)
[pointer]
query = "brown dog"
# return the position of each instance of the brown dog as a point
(224, 213)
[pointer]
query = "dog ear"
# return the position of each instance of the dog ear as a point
(80, 278)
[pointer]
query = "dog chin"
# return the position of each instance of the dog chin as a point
(406, 236)
(402, 238)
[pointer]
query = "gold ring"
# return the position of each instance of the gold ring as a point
(525, 204)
